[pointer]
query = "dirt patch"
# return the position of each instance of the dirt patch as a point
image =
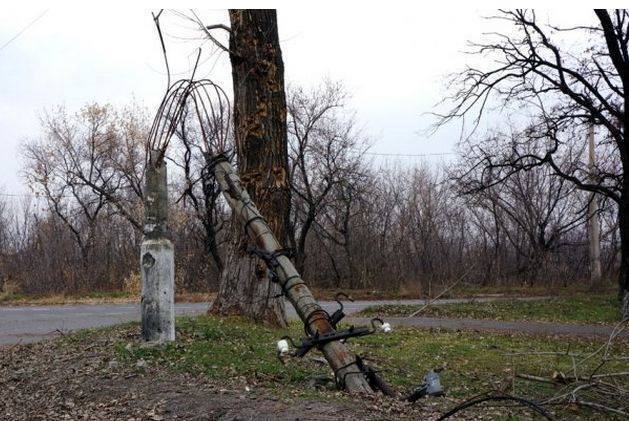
(79, 377)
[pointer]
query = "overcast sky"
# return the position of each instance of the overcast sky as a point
(393, 60)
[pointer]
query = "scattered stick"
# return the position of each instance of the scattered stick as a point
(567, 378)
(535, 378)
(549, 353)
(601, 407)
(609, 396)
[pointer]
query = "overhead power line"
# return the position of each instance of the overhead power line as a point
(17, 195)
(410, 155)
(41, 15)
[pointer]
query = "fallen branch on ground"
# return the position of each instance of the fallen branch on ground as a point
(607, 392)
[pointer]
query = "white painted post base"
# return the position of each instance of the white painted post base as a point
(157, 262)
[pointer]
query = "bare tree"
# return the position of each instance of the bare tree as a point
(200, 190)
(58, 166)
(87, 167)
(326, 149)
(342, 219)
(534, 209)
(566, 88)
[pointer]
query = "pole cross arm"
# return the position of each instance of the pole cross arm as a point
(318, 340)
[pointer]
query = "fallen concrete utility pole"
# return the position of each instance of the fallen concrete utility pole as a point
(157, 266)
(316, 320)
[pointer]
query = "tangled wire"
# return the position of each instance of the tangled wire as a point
(209, 104)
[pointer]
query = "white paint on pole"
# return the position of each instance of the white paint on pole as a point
(158, 290)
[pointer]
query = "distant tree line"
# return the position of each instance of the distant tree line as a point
(354, 224)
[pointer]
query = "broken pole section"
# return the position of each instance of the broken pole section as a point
(157, 263)
(314, 317)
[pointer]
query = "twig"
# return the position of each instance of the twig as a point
(218, 26)
(570, 393)
(600, 376)
(613, 386)
(602, 396)
(568, 378)
(206, 29)
(161, 40)
(601, 407)
(574, 368)
(535, 378)
(549, 353)
(618, 329)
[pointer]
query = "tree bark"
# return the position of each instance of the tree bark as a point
(261, 148)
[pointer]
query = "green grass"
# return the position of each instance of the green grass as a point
(472, 363)
(223, 348)
(527, 290)
(578, 309)
(410, 290)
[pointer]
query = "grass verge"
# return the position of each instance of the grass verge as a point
(470, 363)
(93, 297)
(413, 291)
(584, 309)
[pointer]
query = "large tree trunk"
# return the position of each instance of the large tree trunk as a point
(261, 147)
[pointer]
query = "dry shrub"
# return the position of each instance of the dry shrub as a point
(10, 289)
(411, 289)
(132, 283)
(10, 286)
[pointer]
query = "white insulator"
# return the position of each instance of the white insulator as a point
(282, 346)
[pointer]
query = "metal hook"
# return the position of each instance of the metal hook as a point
(338, 315)
(338, 299)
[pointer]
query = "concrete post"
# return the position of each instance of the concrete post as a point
(593, 224)
(157, 263)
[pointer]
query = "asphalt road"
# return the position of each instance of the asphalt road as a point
(22, 324)
(31, 323)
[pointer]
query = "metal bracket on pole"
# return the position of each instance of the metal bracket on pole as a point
(338, 315)
(318, 340)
